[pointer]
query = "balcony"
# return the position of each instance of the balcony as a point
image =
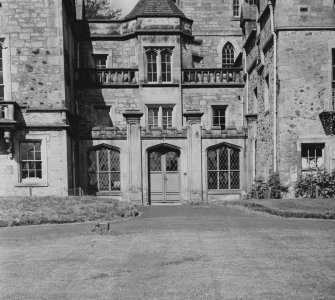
(7, 115)
(327, 116)
(213, 77)
(99, 78)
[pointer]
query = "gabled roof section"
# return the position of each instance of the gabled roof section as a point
(155, 8)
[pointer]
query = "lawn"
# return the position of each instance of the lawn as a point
(15, 211)
(172, 253)
(297, 208)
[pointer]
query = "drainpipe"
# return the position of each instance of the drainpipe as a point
(274, 86)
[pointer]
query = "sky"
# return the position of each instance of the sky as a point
(125, 5)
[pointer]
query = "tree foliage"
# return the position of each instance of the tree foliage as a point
(101, 9)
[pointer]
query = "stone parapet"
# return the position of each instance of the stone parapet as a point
(109, 133)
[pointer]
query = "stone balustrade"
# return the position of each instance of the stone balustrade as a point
(107, 77)
(212, 76)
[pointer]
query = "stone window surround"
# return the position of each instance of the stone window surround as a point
(33, 137)
(158, 50)
(160, 114)
(313, 140)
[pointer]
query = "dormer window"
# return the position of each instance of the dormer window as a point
(159, 65)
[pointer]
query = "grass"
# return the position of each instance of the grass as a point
(292, 208)
(16, 211)
(197, 255)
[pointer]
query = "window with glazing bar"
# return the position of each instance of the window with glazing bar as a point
(166, 66)
(30, 160)
(160, 116)
(219, 117)
(236, 8)
(312, 157)
(228, 56)
(152, 66)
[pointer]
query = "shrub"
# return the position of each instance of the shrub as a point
(308, 183)
(260, 188)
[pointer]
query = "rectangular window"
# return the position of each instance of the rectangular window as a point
(153, 117)
(236, 8)
(152, 66)
(30, 160)
(167, 117)
(219, 117)
(312, 157)
(103, 117)
(100, 61)
(266, 94)
(1, 77)
(166, 66)
(160, 116)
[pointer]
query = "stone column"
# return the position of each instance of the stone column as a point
(133, 118)
(193, 121)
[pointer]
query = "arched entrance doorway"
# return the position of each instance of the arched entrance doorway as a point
(163, 164)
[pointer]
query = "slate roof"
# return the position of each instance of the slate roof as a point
(155, 8)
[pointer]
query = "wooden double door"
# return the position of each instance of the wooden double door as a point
(164, 176)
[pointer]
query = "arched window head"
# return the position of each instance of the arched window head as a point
(104, 169)
(166, 65)
(228, 56)
(152, 65)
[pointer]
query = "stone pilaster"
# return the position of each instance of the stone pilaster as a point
(133, 118)
(193, 120)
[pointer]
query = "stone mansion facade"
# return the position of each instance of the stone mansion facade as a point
(179, 101)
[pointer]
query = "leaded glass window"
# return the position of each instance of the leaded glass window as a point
(30, 160)
(104, 169)
(223, 164)
(228, 56)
